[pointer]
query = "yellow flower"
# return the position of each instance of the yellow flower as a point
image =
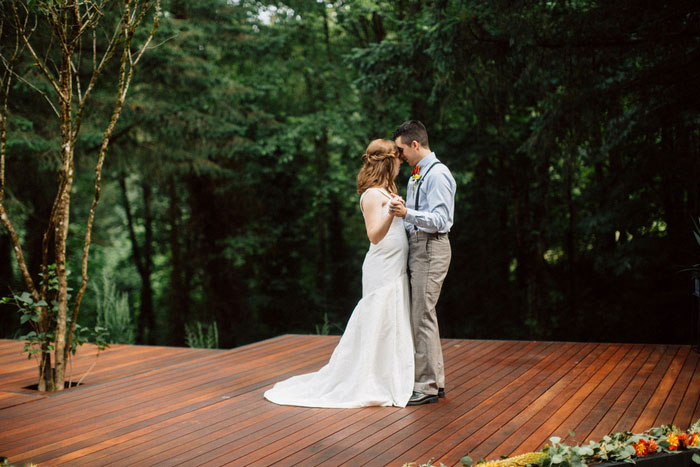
(641, 448)
(522, 460)
(693, 441)
(673, 442)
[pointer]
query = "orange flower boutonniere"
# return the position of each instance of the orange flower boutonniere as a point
(415, 174)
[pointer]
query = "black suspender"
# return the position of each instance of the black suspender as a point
(415, 206)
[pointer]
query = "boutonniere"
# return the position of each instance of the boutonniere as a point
(415, 174)
(415, 177)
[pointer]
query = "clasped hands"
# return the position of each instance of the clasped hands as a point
(397, 207)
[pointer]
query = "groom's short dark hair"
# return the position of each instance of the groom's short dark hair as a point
(412, 130)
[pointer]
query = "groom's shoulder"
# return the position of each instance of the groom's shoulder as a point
(441, 174)
(441, 168)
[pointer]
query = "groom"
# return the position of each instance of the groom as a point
(428, 215)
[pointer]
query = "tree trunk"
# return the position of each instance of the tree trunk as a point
(147, 312)
(68, 22)
(143, 261)
(179, 285)
(63, 217)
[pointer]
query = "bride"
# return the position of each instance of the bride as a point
(373, 362)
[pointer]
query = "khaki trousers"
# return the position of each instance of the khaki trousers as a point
(428, 261)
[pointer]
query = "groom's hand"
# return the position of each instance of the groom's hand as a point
(397, 207)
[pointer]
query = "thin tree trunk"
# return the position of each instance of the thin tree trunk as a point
(143, 261)
(147, 311)
(63, 218)
(179, 290)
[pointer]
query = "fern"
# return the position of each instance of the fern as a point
(202, 336)
(113, 312)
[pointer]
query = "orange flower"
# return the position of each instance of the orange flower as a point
(641, 448)
(683, 440)
(673, 442)
(693, 441)
(652, 446)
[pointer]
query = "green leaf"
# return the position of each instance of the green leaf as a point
(466, 461)
(26, 297)
(696, 458)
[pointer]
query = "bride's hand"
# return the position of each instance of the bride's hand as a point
(397, 207)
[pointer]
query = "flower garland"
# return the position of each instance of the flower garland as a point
(617, 447)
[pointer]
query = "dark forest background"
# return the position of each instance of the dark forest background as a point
(571, 127)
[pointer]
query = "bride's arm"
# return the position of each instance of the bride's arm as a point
(376, 222)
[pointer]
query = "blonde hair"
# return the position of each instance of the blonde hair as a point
(378, 166)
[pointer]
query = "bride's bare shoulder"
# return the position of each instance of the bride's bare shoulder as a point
(374, 196)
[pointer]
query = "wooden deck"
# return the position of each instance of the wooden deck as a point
(173, 406)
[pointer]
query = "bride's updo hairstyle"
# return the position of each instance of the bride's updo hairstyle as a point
(378, 166)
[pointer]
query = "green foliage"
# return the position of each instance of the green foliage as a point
(569, 127)
(623, 447)
(32, 312)
(113, 312)
(202, 336)
(325, 328)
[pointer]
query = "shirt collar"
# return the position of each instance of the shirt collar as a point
(427, 160)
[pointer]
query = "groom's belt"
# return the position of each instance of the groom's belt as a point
(420, 234)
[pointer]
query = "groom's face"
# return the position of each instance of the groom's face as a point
(407, 152)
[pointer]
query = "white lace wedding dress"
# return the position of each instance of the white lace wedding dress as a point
(373, 362)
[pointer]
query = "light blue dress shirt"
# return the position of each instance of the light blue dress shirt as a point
(435, 213)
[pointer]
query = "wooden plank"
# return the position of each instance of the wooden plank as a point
(479, 353)
(594, 407)
(109, 435)
(467, 401)
(533, 418)
(183, 433)
(10, 399)
(667, 413)
(544, 387)
(459, 436)
(400, 428)
(652, 409)
(311, 443)
(686, 416)
(628, 386)
(140, 381)
(582, 386)
(164, 406)
(140, 406)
